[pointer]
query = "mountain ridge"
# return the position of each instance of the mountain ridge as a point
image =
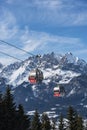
(67, 70)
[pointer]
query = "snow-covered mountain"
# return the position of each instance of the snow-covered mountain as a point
(68, 70)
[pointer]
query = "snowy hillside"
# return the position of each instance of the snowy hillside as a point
(68, 70)
(17, 73)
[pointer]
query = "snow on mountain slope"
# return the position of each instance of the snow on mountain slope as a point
(50, 65)
(67, 70)
(70, 58)
(35, 90)
(16, 79)
(71, 92)
(66, 76)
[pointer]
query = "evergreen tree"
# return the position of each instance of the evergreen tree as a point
(23, 120)
(61, 123)
(1, 113)
(9, 101)
(12, 118)
(45, 122)
(80, 123)
(36, 124)
(9, 110)
(72, 118)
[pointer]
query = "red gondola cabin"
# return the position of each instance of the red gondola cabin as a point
(59, 91)
(35, 76)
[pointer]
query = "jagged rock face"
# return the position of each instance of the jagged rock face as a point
(67, 70)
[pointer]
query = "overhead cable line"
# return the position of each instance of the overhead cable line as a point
(10, 56)
(17, 47)
(37, 56)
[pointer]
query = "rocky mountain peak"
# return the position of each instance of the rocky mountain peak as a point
(67, 70)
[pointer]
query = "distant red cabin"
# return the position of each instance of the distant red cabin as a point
(59, 91)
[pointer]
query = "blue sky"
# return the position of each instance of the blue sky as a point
(43, 26)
